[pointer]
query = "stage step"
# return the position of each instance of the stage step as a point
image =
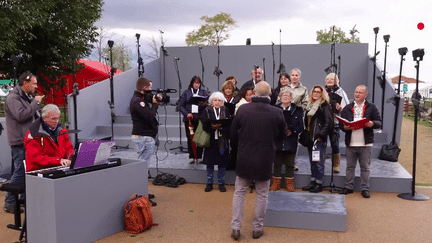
(384, 177)
(306, 211)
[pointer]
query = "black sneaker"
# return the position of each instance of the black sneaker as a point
(317, 188)
(222, 188)
(208, 188)
(11, 210)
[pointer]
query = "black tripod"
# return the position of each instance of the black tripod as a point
(382, 79)
(180, 147)
(418, 56)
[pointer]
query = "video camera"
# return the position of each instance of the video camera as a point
(160, 95)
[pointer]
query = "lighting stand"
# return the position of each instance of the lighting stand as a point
(418, 56)
(180, 147)
(376, 29)
(383, 78)
(140, 60)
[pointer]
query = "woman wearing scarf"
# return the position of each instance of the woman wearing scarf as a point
(336, 93)
(192, 110)
(218, 151)
(319, 123)
(228, 90)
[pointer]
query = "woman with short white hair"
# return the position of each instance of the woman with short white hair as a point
(214, 120)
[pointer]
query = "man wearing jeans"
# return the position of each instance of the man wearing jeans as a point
(359, 142)
(21, 108)
(143, 109)
(256, 128)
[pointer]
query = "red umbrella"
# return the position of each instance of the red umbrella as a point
(191, 130)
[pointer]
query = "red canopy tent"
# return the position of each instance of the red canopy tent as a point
(92, 73)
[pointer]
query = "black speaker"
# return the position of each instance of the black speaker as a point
(248, 41)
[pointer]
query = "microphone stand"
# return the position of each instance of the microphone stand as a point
(418, 56)
(180, 147)
(140, 60)
(281, 65)
(376, 29)
(339, 69)
(402, 51)
(165, 54)
(274, 63)
(111, 102)
(202, 66)
(75, 93)
(383, 78)
(332, 69)
(264, 69)
(217, 71)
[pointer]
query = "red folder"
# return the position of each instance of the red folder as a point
(355, 124)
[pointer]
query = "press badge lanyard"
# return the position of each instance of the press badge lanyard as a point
(217, 118)
(315, 152)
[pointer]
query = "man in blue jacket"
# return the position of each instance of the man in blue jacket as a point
(359, 142)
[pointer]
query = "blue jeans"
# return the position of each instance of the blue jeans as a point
(145, 147)
(317, 167)
(18, 157)
(210, 174)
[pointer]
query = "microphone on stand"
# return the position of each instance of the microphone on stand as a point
(176, 58)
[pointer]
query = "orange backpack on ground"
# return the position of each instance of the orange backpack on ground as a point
(138, 216)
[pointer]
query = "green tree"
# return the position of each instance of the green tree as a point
(215, 28)
(337, 35)
(49, 35)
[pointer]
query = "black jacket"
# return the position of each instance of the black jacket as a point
(186, 102)
(321, 124)
(143, 116)
(294, 121)
(370, 112)
(256, 128)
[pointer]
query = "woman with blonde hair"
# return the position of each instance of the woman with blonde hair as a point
(318, 121)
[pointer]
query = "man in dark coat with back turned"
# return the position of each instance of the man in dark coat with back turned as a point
(256, 128)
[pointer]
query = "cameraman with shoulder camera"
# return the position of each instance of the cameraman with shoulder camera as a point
(143, 109)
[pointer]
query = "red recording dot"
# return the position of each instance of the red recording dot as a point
(420, 26)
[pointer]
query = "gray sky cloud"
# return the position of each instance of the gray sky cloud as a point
(298, 20)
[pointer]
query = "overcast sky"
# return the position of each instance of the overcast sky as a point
(298, 20)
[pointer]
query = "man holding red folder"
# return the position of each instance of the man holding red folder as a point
(359, 142)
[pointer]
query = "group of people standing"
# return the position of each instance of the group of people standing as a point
(263, 136)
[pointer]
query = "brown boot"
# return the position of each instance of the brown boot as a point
(336, 163)
(289, 184)
(275, 184)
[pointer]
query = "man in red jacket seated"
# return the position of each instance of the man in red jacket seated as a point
(47, 144)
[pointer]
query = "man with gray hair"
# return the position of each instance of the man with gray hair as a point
(256, 128)
(21, 109)
(47, 143)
